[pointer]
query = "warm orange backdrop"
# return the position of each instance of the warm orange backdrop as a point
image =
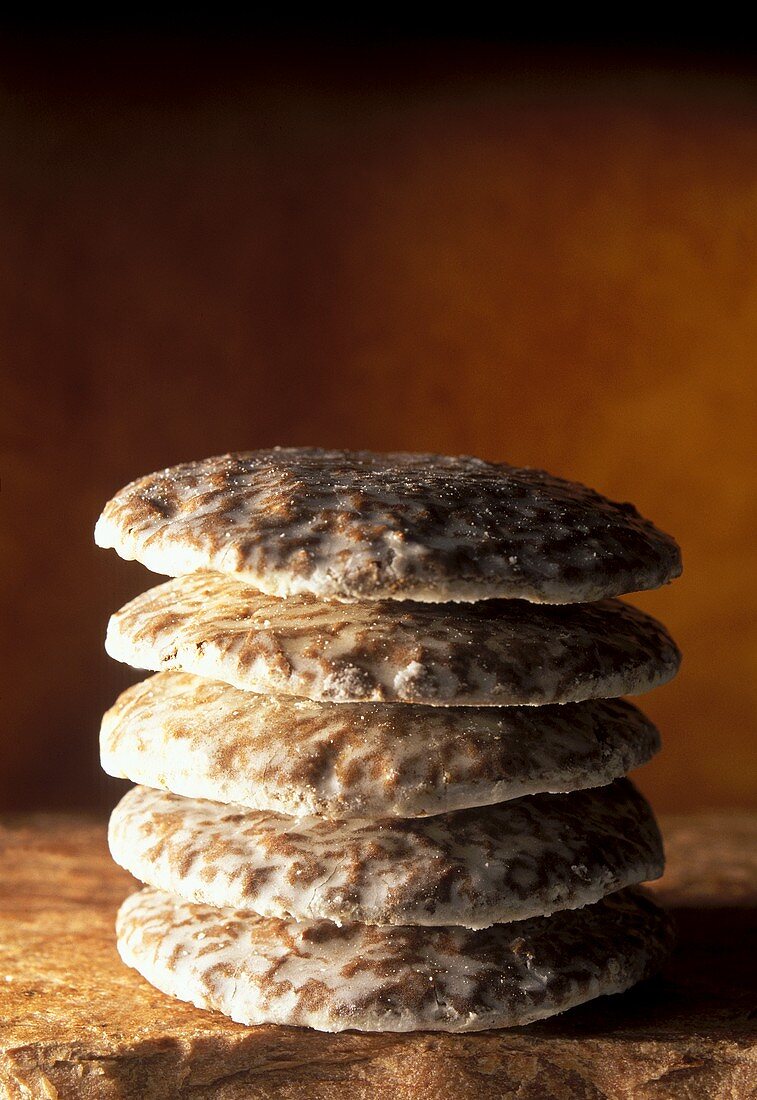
(549, 261)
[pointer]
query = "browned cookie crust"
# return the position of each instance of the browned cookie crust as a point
(315, 974)
(498, 652)
(206, 739)
(529, 857)
(361, 525)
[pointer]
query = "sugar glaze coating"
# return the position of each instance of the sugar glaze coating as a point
(528, 857)
(494, 653)
(206, 739)
(314, 974)
(362, 525)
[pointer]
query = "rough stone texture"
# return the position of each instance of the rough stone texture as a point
(76, 1023)
(361, 525)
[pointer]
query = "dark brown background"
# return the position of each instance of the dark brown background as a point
(540, 256)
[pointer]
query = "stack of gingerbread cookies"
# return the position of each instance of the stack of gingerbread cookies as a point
(381, 765)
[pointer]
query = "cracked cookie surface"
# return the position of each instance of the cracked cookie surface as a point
(363, 525)
(528, 857)
(498, 652)
(260, 970)
(206, 739)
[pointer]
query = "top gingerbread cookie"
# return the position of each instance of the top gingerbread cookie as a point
(360, 525)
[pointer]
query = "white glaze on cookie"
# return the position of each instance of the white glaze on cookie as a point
(361, 525)
(498, 652)
(205, 739)
(260, 970)
(477, 867)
